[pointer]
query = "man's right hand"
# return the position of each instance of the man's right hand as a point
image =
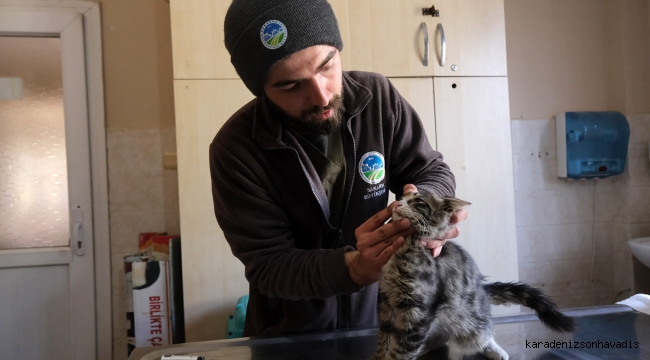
(376, 243)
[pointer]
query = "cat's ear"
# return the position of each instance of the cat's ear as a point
(453, 204)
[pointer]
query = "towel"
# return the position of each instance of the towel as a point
(638, 302)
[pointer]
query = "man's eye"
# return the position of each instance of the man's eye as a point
(328, 66)
(290, 87)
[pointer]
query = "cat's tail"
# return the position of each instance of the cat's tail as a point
(526, 295)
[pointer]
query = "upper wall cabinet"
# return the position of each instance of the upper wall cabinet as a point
(391, 37)
(199, 50)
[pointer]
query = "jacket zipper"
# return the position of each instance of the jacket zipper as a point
(354, 165)
(311, 186)
(343, 301)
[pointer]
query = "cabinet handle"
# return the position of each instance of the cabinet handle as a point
(443, 45)
(423, 27)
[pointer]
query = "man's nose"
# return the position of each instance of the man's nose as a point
(318, 93)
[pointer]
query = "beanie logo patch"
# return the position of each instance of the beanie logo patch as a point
(274, 34)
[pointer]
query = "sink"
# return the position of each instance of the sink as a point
(641, 249)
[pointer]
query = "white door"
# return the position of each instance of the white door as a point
(47, 290)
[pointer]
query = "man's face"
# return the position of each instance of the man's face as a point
(307, 87)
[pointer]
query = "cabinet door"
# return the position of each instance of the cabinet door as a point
(475, 38)
(419, 93)
(473, 134)
(198, 42)
(213, 279)
(387, 37)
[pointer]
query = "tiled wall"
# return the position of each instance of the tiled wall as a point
(572, 235)
(143, 197)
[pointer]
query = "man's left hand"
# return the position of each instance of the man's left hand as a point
(435, 245)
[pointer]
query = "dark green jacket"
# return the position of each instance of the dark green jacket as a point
(274, 213)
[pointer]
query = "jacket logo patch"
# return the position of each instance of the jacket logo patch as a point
(371, 167)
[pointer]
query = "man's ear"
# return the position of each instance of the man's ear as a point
(452, 204)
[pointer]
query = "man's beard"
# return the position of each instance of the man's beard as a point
(310, 120)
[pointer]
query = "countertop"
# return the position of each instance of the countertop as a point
(607, 332)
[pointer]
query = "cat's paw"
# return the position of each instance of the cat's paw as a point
(496, 354)
(493, 351)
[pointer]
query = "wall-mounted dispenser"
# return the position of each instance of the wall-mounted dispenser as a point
(591, 144)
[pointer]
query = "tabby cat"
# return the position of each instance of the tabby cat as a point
(423, 299)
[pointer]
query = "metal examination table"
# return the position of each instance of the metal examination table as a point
(607, 332)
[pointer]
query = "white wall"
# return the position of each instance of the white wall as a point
(578, 55)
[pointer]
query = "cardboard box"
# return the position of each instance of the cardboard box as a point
(151, 305)
(128, 275)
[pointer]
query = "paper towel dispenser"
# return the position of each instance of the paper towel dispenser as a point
(591, 144)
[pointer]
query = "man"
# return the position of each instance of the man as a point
(300, 174)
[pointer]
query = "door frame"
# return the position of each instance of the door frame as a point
(90, 13)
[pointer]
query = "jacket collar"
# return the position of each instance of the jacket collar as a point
(267, 129)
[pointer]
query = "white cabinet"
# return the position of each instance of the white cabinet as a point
(473, 134)
(213, 279)
(419, 93)
(468, 123)
(467, 120)
(198, 45)
(388, 37)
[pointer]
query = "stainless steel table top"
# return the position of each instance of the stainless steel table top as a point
(611, 332)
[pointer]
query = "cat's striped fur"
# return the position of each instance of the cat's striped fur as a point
(430, 301)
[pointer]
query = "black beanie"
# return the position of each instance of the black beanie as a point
(259, 33)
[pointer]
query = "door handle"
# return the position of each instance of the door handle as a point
(423, 27)
(78, 242)
(443, 45)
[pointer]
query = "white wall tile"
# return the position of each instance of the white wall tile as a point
(554, 242)
(602, 275)
(639, 128)
(623, 276)
(639, 230)
(639, 165)
(602, 298)
(535, 171)
(610, 237)
(534, 136)
(126, 227)
(612, 204)
(134, 149)
(557, 206)
(136, 189)
(638, 205)
(557, 278)
(569, 300)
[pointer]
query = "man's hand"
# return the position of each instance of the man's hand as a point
(376, 243)
(435, 245)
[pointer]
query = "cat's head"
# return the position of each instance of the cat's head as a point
(429, 214)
